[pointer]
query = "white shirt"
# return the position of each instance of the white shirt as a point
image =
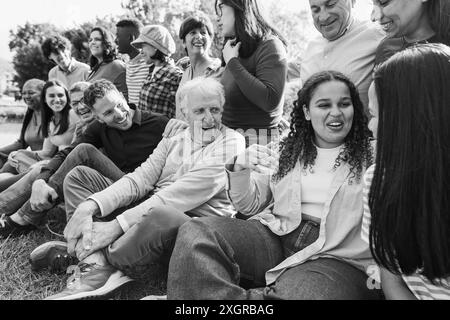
(317, 181)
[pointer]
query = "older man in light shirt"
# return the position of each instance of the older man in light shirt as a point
(183, 178)
(345, 44)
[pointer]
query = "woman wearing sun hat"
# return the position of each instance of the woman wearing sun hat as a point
(159, 89)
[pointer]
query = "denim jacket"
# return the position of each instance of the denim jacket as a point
(279, 207)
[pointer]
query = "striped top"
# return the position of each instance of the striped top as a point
(137, 72)
(420, 286)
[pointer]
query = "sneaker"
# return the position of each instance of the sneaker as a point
(9, 228)
(154, 298)
(91, 281)
(52, 255)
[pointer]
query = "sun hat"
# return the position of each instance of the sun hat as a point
(158, 37)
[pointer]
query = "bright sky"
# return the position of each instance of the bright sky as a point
(66, 13)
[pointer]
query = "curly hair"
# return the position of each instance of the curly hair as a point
(97, 90)
(54, 44)
(299, 144)
(109, 47)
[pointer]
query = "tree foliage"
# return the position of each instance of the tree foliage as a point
(294, 25)
(29, 62)
(26, 40)
(171, 14)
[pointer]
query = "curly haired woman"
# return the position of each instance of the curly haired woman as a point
(302, 241)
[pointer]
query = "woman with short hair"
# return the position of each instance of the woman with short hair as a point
(31, 135)
(197, 35)
(159, 89)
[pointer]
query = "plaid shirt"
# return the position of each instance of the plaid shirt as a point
(158, 91)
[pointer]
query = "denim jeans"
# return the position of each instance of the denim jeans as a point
(83, 154)
(214, 257)
(150, 241)
(18, 193)
(7, 179)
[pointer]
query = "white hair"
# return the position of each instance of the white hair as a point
(205, 87)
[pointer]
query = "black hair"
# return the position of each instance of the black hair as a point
(160, 56)
(251, 27)
(131, 23)
(299, 145)
(39, 84)
(197, 20)
(109, 49)
(97, 90)
(54, 44)
(409, 196)
(439, 14)
(48, 113)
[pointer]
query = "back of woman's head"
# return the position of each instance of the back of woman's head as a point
(299, 145)
(47, 113)
(109, 47)
(251, 26)
(410, 192)
(439, 15)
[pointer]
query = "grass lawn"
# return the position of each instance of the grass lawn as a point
(18, 282)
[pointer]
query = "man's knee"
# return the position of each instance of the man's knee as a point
(83, 151)
(198, 231)
(85, 147)
(163, 217)
(75, 177)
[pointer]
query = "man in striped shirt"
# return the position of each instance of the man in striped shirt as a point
(129, 30)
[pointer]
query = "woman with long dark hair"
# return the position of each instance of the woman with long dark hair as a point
(407, 22)
(302, 241)
(103, 61)
(408, 207)
(255, 74)
(30, 135)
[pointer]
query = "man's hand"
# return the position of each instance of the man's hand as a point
(174, 127)
(103, 234)
(79, 226)
(12, 159)
(43, 197)
(231, 50)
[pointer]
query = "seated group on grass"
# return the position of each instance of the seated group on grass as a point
(191, 171)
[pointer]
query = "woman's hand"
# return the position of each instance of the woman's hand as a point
(262, 159)
(231, 50)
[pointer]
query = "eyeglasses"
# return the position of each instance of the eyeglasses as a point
(74, 103)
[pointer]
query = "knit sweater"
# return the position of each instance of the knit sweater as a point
(254, 87)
